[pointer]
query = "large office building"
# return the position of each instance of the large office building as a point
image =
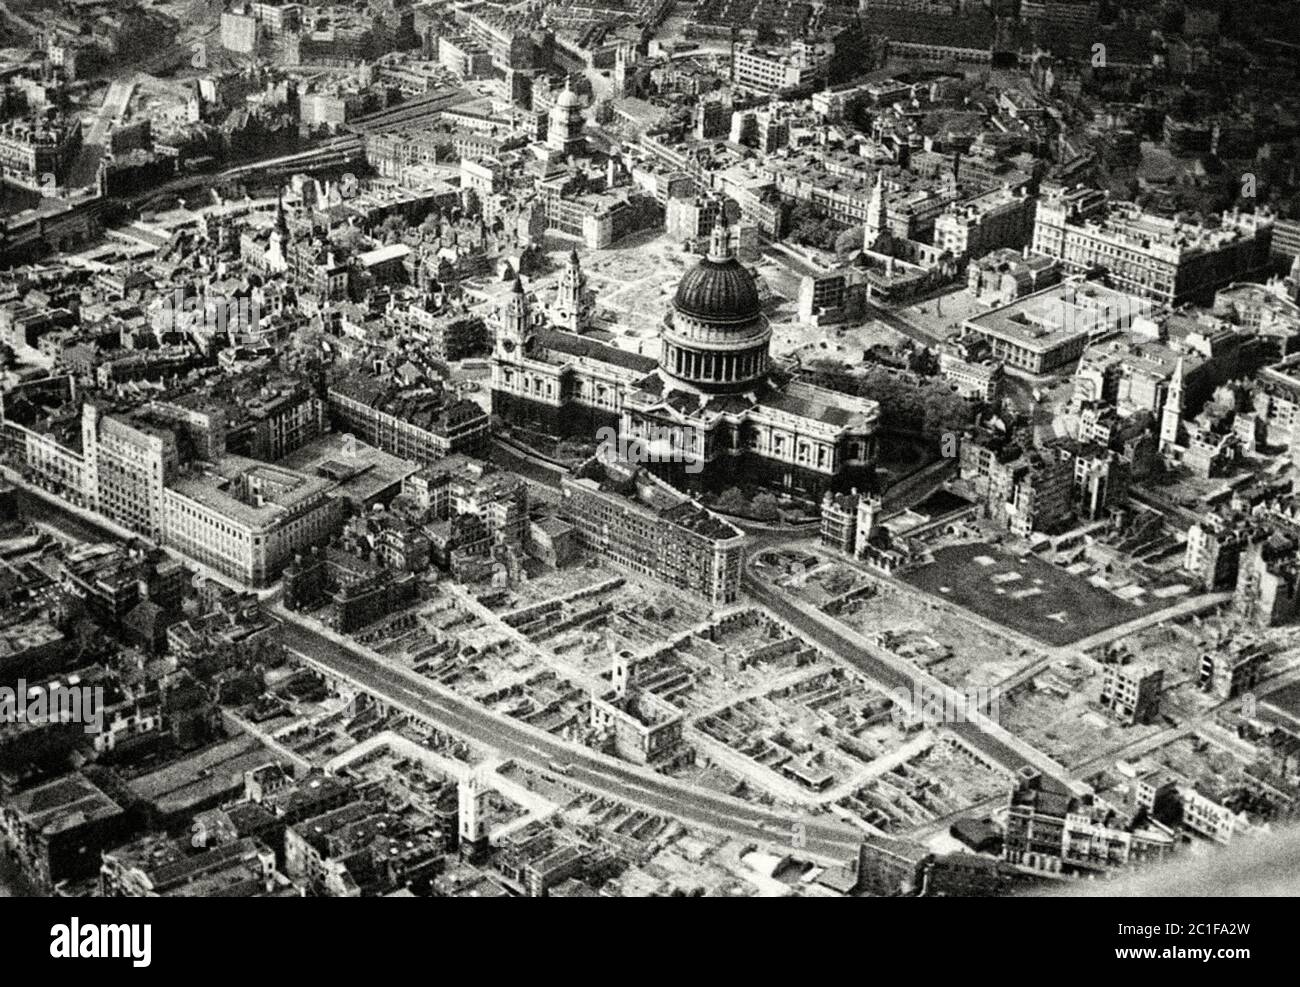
(37, 153)
(162, 470)
(128, 462)
(247, 520)
(417, 423)
(1167, 260)
(768, 70)
(624, 514)
(1041, 332)
(464, 57)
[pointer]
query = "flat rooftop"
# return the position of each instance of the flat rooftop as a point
(200, 776)
(363, 472)
(62, 804)
(283, 489)
(1046, 319)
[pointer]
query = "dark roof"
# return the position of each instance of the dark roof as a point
(575, 345)
(975, 833)
(729, 404)
(781, 401)
(718, 291)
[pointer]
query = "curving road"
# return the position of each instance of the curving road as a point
(419, 697)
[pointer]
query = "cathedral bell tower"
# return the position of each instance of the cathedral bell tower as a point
(515, 323)
(570, 309)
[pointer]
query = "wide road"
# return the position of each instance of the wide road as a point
(417, 696)
(40, 511)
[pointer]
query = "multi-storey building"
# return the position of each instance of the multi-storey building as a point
(277, 420)
(1026, 491)
(630, 517)
(598, 219)
(1101, 478)
(1052, 829)
(1268, 580)
(1040, 332)
(1167, 260)
(997, 219)
(690, 218)
(464, 57)
(277, 19)
(1131, 691)
(127, 466)
(1277, 400)
(891, 867)
(51, 460)
(1039, 493)
(37, 153)
(507, 38)
(499, 499)
(767, 70)
(1286, 238)
(968, 365)
(1060, 13)
(420, 424)
(246, 519)
(1213, 553)
(839, 521)
(1234, 669)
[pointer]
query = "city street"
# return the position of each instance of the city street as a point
(409, 692)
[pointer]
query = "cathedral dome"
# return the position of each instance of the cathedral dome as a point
(718, 291)
(715, 337)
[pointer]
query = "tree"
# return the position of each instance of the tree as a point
(848, 241)
(765, 508)
(732, 501)
(392, 228)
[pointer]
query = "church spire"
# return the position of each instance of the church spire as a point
(877, 211)
(281, 223)
(1171, 419)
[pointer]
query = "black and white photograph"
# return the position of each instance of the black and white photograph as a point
(650, 449)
